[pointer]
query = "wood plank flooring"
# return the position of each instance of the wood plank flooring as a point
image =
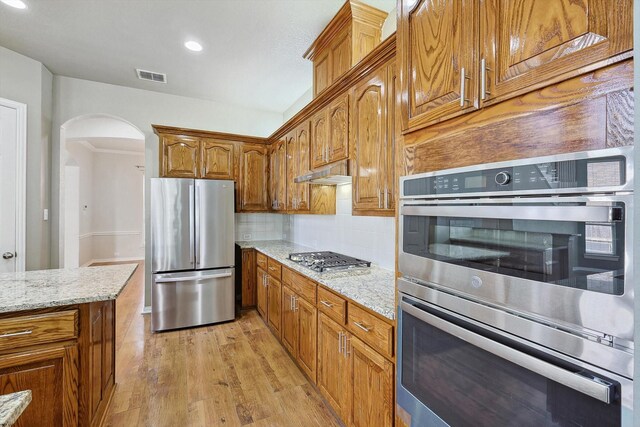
(232, 374)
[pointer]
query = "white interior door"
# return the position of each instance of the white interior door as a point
(12, 146)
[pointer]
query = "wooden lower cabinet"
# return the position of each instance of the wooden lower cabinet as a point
(262, 294)
(274, 304)
(51, 375)
(290, 322)
(248, 278)
(101, 356)
(372, 386)
(299, 330)
(333, 367)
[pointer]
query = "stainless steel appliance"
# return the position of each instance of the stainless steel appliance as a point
(323, 261)
(192, 246)
(517, 291)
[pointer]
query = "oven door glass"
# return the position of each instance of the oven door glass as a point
(571, 245)
(464, 384)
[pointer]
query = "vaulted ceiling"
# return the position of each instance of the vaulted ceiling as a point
(252, 54)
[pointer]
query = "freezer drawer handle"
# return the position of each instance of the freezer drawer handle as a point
(197, 278)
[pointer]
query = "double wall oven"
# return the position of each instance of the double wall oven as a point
(516, 295)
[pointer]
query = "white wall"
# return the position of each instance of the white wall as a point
(390, 24)
(82, 157)
(298, 105)
(369, 238)
(27, 81)
(142, 108)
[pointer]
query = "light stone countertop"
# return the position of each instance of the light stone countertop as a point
(32, 290)
(12, 406)
(373, 287)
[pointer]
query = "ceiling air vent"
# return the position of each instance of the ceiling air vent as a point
(151, 76)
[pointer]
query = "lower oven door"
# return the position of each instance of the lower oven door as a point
(455, 371)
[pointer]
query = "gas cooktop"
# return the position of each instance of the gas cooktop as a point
(327, 261)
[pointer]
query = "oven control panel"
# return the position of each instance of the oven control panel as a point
(594, 172)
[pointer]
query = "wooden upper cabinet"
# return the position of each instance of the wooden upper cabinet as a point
(253, 178)
(369, 141)
(530, 43)
(179, 156)
(338, 141)
(319, 139)
(352, 33)
(439, 71)
(217, 159)
(297, 164)
(278, 175)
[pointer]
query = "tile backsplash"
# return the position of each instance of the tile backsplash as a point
(259, 226)
(370, 238)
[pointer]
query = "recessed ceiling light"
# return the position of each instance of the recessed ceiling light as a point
(18, 4)
(192, 45)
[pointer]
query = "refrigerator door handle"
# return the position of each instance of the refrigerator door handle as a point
(192, 228)
(193, 278)
(196, 231)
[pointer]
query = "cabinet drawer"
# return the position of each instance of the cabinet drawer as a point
(37, 329)
(302, 285)
(274, 268)
(375, 332)
(261, 260)
(332, 305)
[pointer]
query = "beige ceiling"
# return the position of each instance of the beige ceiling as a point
(252, 48)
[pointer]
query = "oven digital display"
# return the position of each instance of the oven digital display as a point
(478, 181)
(602, 174)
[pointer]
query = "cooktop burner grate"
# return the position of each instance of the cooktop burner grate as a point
(327, 261)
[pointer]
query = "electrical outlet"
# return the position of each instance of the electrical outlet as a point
(246, 236)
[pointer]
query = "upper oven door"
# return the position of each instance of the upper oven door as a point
(565, 259)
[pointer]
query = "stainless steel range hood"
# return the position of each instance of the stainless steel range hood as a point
(335, 174)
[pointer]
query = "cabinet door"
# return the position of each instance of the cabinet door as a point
(437, 42)
(253, 178)
(319, 139)
(216, 158)
(290, 322)
(340, 54)
(108, 347)
(321, 72)
(274, 304)
(393, 135)
(248, 278)
(277, 172)
(334, 371)
(369, 136)
(302, 166)
(373, 375)
(339, 129)
(262, 294)
(179, 156)
(530, 43)
(52, 376)
(292, 170)
(307, 337)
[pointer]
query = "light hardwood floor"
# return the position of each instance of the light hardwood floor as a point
(231, 374)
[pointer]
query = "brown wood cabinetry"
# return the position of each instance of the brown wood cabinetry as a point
(249, 273)
(262, 293)
(373, 143)
(252, 187)
(307, 336)
(354, 32)
(179, 156)
(217, 159)
(278, 175)
(298, 164)
(67, 360)
(330, 133)
(457, 55)
(290, 324)
(274, 304)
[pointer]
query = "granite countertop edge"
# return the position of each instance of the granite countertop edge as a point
(379, 278)
(12, 406)
(67, 300)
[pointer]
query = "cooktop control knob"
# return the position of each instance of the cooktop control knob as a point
(503, 178)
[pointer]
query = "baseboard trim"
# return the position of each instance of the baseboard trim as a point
(146, 310)
(121, 259)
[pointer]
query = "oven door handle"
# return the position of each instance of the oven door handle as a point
(542, 213)
(593, 387)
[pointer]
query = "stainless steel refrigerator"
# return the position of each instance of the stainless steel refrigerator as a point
(192, 246)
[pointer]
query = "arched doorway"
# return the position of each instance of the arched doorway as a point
(101, 190)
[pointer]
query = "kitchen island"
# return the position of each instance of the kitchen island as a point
(57, 339)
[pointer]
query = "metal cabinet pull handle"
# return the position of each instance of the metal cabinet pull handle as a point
(386, 198)
(379, 198)
(340, 342)
(326, 303)
(295, 303)
(361, 326)
(16, 334)
(463, 87)
(483, 79)
(345, 346)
